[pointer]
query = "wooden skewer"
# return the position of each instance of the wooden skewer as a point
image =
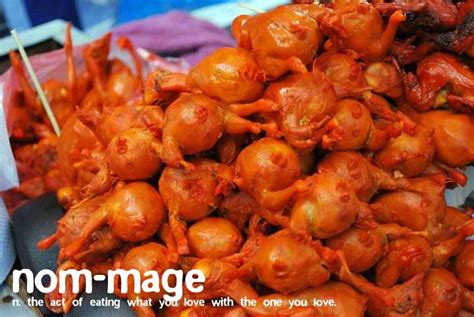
(251, 8)
(36, 84)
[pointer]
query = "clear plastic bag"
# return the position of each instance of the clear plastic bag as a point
(8, 174)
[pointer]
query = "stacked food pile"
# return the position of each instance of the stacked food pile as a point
(310, 162)
(32, 138)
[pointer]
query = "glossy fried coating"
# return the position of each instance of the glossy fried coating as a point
(134, 154)
(355, 185)
(123, 83)
(442, 294)
(93, 177)
(214, 237)
(231, 75)
(355, 129)
(133, 213)
(464, 265)
(399, 300)
(440, 78)
(409, 154)
(22, 121)
(97, 247)
(162, 87)
(209, 311)
(405, 258)
(220, 281)
(30, 99)
(468, 301)
(344, 72)
(194, 123)
(306, 104)
(349, 80)
(365, 178)
(65, 96)
(256, 233)
(113, 81)
(191, 195)
(384, 79)
(443, 250)
(452, 134)
(237, 207)
(455, 217)
(269, 170)
(64, 299)
(328, 208)
(136, 206)
(62, 96)
(91, 109)
(82, 165)
(420, 207)
(286, 264)
(75, 138)
(426, 14)
(96, 101)
(406, 53)
(150, 256)
(60, 100)
(460, 39)
(359, 27)
(283, 39)
(363, 248)
(95, 56)
(125, 117)
(37, 159)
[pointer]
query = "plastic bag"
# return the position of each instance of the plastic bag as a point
(52, 65)
(8, 174)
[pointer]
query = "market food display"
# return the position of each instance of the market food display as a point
(311, 161)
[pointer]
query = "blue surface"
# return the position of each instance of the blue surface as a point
(42, 11)
(93, 12)
(15, 14)
(24, 14)
(138, 9)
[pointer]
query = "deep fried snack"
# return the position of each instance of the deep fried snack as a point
(214, 237)
(409, 154)
(269, 170)
(133, 213)
(287, 45)
(359, 27)
(191, 195)
(365, 178)
(306, 103)
(328, 208)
